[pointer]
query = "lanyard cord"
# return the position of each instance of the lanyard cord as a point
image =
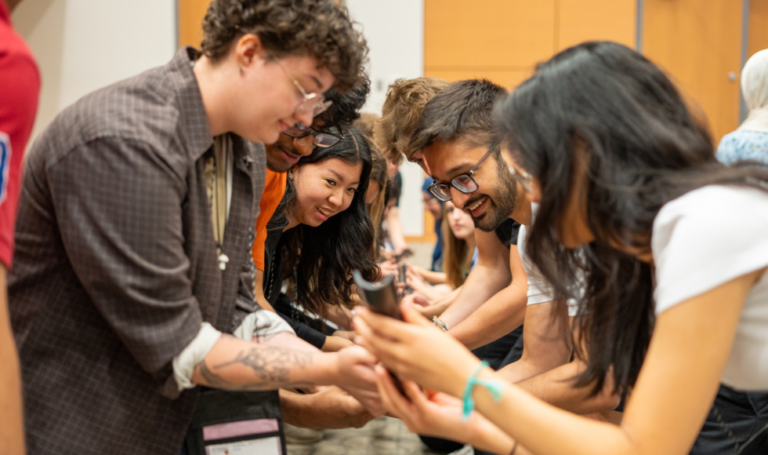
(221, 146)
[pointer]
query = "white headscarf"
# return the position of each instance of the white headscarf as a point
(754, 86)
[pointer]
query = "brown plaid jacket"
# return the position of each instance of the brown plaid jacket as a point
(116, 265)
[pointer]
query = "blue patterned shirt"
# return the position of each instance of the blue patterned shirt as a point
(743, 145)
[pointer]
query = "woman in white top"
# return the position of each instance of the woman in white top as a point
(631, 196)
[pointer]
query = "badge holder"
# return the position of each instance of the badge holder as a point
(243, 423)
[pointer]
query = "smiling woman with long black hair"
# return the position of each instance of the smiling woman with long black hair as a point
(319, 234)
(668, 246)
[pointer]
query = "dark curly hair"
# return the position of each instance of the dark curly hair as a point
(345, 108)
(318, 28)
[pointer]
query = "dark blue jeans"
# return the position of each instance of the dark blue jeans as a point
(737, 424)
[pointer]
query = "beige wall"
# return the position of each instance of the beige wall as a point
(83, 45)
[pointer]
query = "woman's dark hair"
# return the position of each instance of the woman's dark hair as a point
(324, 257)
(376, 209)
(605, 108)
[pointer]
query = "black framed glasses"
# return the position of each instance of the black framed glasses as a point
(464, 182)
(322, 139)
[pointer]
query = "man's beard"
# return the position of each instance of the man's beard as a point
(278, 164)
(501, 205)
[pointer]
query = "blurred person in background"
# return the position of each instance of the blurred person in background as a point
(395, 236)
(20, 82)
(459, 257)
(375, 195)
(435, 207)
(750, 140)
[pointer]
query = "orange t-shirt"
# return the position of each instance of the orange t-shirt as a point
(274, 189)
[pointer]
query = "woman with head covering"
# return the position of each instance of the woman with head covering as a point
(750, 140)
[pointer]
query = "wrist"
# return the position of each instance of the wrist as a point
(324, 369)
(464, 371)
(437, 322)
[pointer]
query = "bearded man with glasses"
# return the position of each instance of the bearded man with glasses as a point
(457, 136)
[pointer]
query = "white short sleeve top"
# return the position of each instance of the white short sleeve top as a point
(706, 238)
(539, 290)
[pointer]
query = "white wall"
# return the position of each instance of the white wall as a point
(395, 33)
(83, 45)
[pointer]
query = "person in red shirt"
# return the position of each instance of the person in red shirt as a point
(20, 82)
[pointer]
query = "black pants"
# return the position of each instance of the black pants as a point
(499, 353)
(736, 424)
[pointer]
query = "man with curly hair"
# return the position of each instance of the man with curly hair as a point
(134, 232)
(402, 108)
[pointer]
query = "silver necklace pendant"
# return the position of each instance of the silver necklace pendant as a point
(223, 259)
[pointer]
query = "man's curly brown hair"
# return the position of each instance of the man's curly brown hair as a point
(316, 28)
(406, 99)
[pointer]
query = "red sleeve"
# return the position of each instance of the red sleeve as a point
(20, 80)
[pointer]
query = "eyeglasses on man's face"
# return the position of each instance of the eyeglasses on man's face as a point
(310, 102)
(523, 177)
(465, 183)
(322, 139)
(520, 174)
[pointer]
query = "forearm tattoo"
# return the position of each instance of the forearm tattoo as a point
(272, 366)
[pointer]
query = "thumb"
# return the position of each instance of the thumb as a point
(359, 355)
(419, 300)
(412, 316)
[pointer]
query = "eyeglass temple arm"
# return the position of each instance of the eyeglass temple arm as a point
(487, 154)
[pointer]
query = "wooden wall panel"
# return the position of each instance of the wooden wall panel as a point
(758, 26)
(588, 20)
(506, 78)
(501, 34)
(190, 19)
(698, 42)
(503, 40)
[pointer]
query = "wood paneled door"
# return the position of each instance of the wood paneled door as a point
(190, 20)
(503, 40)
(698, 43)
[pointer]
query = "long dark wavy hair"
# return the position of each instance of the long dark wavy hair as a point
(321, 259)
(605, 108)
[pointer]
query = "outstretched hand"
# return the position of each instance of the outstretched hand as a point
(438, 414)
(423, 412)
(416, 350)
(357, 377)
